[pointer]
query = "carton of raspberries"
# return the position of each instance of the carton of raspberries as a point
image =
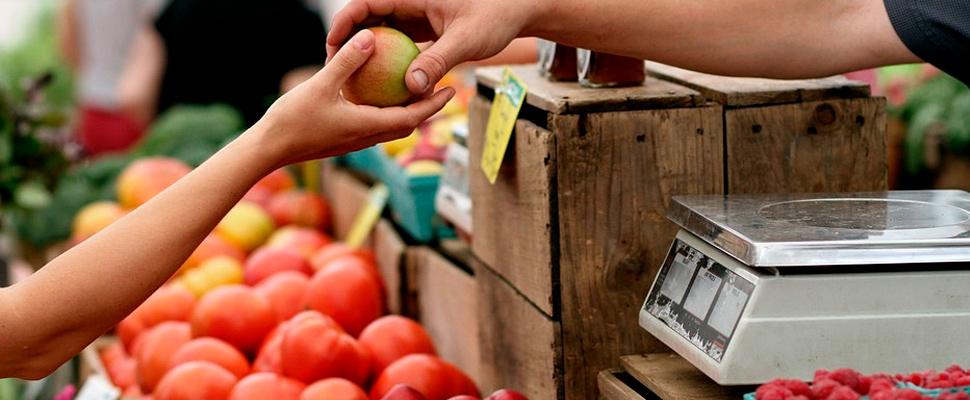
(953, 383)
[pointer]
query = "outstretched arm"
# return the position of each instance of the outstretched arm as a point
(767, 38)
(56, 312)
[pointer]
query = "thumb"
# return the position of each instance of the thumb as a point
(348, 59)
(432, 64)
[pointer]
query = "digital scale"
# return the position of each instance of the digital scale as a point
(757, 287)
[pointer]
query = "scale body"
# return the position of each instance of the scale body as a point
(757, 287)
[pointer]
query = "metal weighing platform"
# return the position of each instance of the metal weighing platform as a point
(757, 287)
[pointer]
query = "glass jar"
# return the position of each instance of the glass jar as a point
(557, 62)
(597, 69)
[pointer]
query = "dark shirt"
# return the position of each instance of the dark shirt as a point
(235, 51)
(937, 31)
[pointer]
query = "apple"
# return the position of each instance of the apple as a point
(380, 81)
(305, 240)
(299, 207)
(246, 226)
(403, 392)
(506, 394)
(144, 178)
(94, 217)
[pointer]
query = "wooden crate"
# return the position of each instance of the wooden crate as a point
(576, 225)
(617, 384)
(446, 305)
(671, 377)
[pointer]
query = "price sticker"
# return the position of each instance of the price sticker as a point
(368, 215)
(509, 96)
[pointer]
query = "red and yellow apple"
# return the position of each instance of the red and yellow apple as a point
(380, 81)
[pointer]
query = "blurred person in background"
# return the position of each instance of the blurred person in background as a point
(240, 52)
(94, 37)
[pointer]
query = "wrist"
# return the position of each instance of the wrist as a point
(256, 148)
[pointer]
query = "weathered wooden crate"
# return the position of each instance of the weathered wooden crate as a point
(574, 230)
(444, 289)
(669, 376)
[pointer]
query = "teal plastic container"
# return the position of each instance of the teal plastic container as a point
(411, 201)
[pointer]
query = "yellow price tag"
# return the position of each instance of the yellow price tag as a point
(367, 216)
(509, 96)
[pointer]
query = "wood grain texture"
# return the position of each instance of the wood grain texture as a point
(448, 310)
(741, 92)
(514, 219)
(671, 377)
(611, 387)
(617, 172)
(520, 346)
(822, 146)
(570, 97)
(389, 249)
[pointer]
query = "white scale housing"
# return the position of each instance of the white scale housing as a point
(757, 287)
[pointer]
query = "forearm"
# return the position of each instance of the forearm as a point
(88, 289)
(780, 38)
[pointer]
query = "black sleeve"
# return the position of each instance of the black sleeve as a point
(937, 31)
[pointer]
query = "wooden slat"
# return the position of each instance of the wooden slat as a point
(617, 172)
(570, 97)
(520, 346)
(448, 310)
(671, 377)
(742, 92)
(389, 251)
(825, 146)
(611, 387)
(513, 219)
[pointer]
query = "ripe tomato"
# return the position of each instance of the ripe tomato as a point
(312, 349)
(391, 337)
(236, 314)
(267, 385)
(196, 380)
(348, 294)
(213, 350)
(430, 375)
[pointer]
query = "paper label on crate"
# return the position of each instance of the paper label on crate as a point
(509, 97)
(368, 215)
(97, 387)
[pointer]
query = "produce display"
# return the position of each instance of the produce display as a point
(953, 383)
(268, 306)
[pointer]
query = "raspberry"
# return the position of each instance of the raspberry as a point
(847, 377)
(796, 386)
(772, 391)
(953, 396)
(963, 381)
(823, 388)
(954, 368)
(880, 385)
(799, 397)
(905, 394)
(843, 393)
(820, 374)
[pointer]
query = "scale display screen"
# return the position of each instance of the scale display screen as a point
(699, 298)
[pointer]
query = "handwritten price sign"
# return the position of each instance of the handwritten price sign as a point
(509, 96)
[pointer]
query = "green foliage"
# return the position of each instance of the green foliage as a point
(190, 133)
(940, 106)
(35, 55)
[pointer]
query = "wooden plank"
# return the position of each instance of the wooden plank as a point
(448, 309)
(612, 386)
(570, 97)
(520, 346)
(741, 92)
(671, 377)
(346, 194)
(826, 146)
(617, 172)
(513, 220)
(389, 249)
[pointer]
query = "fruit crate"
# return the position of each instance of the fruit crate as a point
(411, 201)
(587, 178)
